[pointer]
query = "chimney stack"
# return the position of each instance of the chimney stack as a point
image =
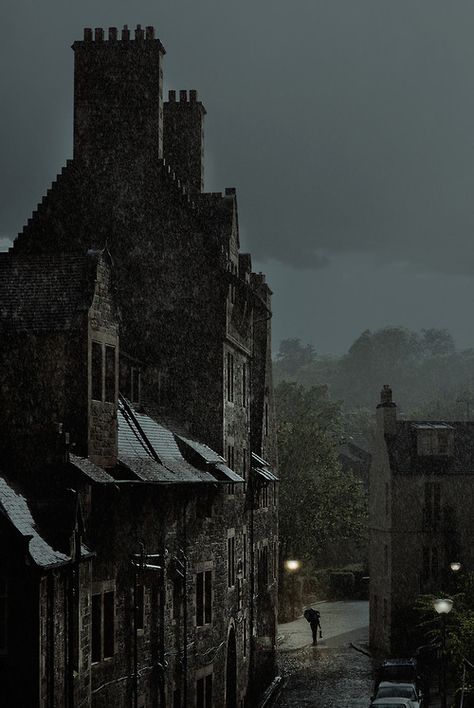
(387, 412)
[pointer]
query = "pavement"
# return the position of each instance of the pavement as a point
(342, 623)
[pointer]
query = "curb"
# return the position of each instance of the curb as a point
(272, 692)
(360, 650)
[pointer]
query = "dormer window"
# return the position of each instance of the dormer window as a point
(434, 440)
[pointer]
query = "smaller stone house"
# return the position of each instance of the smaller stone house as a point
(421, 494)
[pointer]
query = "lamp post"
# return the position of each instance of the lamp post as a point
(443, 606)
(292, 566)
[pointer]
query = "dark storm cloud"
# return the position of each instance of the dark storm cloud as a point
(346, 125)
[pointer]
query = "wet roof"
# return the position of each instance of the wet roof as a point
(263, 469)
(43, 293)
(90, 470)
(14, 506)
(151, 452)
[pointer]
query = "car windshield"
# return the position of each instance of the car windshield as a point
(395, 691)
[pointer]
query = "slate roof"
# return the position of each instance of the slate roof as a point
(90, 470)
(44, 293)
(402, 448)
(263, 469)
(151, 451)
(14, 506)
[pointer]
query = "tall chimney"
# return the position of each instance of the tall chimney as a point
(387, 412)
(183, 138)
(118, 89)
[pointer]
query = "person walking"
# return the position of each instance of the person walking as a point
(314, 619)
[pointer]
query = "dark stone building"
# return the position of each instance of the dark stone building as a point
(421, 494)
(138, 496)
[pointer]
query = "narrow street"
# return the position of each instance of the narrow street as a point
(334, 673)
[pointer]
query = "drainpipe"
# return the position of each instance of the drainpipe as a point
(252, 581)
(185, 604)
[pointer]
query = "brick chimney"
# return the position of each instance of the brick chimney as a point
(118, 88)
(183, 138)
(386, 412)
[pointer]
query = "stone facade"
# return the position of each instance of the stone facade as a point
(166, 590)
(420, 495)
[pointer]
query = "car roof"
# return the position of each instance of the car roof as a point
(393, 702)
(397, 683)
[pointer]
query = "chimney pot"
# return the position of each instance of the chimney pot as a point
(171, 96)
(125, 33)
(183, 96)
(87, 34)
(99, 34)
(150, 32)
(193, 96)
(112, 34)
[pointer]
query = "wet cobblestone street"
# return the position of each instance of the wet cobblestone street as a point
(325, 678)
(333, 674)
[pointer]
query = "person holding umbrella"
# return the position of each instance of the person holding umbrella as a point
(314, 619)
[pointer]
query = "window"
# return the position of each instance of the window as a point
(430, 564)
(435, 442)
(231, 560)
(244, 385)
(230, 377)
(244, 555)
(204, 692)
(103, 619)
(203, 598)
(109, 374)
(139, 607)
(96, 372)
(231, 463)
(432, 508)
(443, 442)
(3, 615)
(135, 384)
(103, 386)
(262, 561)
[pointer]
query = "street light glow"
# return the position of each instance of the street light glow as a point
(443, 606)
(455, 566)
(292, 565)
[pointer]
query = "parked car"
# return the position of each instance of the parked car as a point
(396, 689)
(392, 703)
(402, 671)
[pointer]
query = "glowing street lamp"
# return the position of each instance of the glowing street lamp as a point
(292, 565)
(455, 566)
(443, 607)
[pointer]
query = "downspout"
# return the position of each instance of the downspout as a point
(252, 578)
(185, 604)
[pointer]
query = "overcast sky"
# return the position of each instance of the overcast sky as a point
(347, 127)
